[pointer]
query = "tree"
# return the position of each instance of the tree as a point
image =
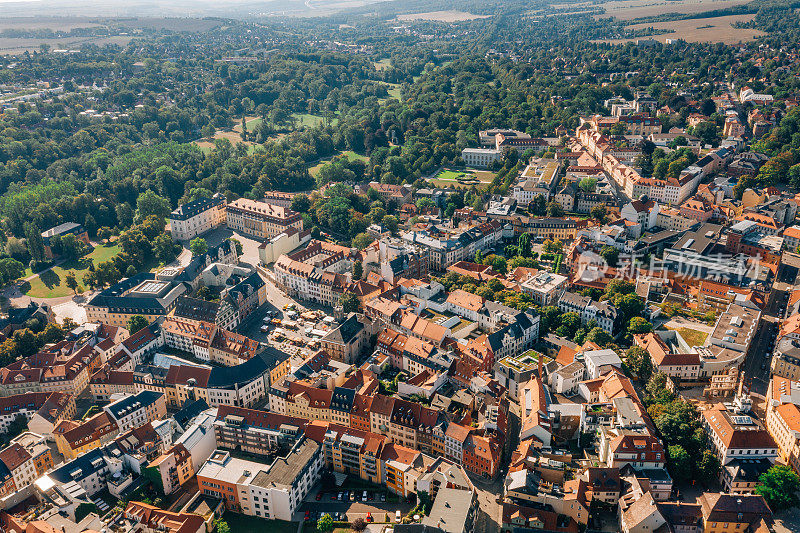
(361, 241)
(555, 210)
(639, 325)
(198, 246)
(33, 238)
(70, 281)
(680, 463)
(610, 255)
(149, 203)
(599, 213)
(638, 361)
(301, 203)
(238, 245)
(10, 269)
(90, 224)
(325, 523)
(136, 323)
(358, 270)
(73, 248)
(587, 184)
(222, 526)
(359, 524)
(164, 248)
(104, 233)
(525, 245)
(349, 302)
(708, 468)
(779, 486)
(390, 222)
(599, 337)
(423, 204)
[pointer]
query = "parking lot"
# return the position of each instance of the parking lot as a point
(352, 506)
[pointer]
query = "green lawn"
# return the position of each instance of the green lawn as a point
(693, 337)
(51, 283)
(304, 119)
(254, 123)
(383, 64)
(464, 178)
(350, 156)
(240, 523)
(394, 91)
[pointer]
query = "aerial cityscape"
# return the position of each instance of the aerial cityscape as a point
(420, 266)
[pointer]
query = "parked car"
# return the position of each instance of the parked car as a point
(369, 517)
(397, 516)
(383, 497)
(319, 496)
(308, 516)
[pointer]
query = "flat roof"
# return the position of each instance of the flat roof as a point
(285, 470)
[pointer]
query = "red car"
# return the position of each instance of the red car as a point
(319, 496)
(369, 517)
(307, 517)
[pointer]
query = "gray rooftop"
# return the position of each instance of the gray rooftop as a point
(285, 470)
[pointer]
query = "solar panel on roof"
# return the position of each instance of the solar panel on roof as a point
(742, 420)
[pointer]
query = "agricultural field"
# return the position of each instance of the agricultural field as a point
(715, 29)
(51, 284)
(47, 23)
(350, 156)
(462, 178)
(20, 45)
(634, 9)
(442, 16)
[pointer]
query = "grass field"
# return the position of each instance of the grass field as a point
(304, 119)
(714, 29)
(442, 16)
(634, 9)
(383, 64)
(252, 123)
(51, 284)
(233, 136)
(350, 155)
(450, 178)
(693, 337)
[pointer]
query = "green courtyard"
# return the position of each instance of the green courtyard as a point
(52, 284)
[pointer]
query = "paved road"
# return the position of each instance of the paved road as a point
(757, 363)
(488, 519)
